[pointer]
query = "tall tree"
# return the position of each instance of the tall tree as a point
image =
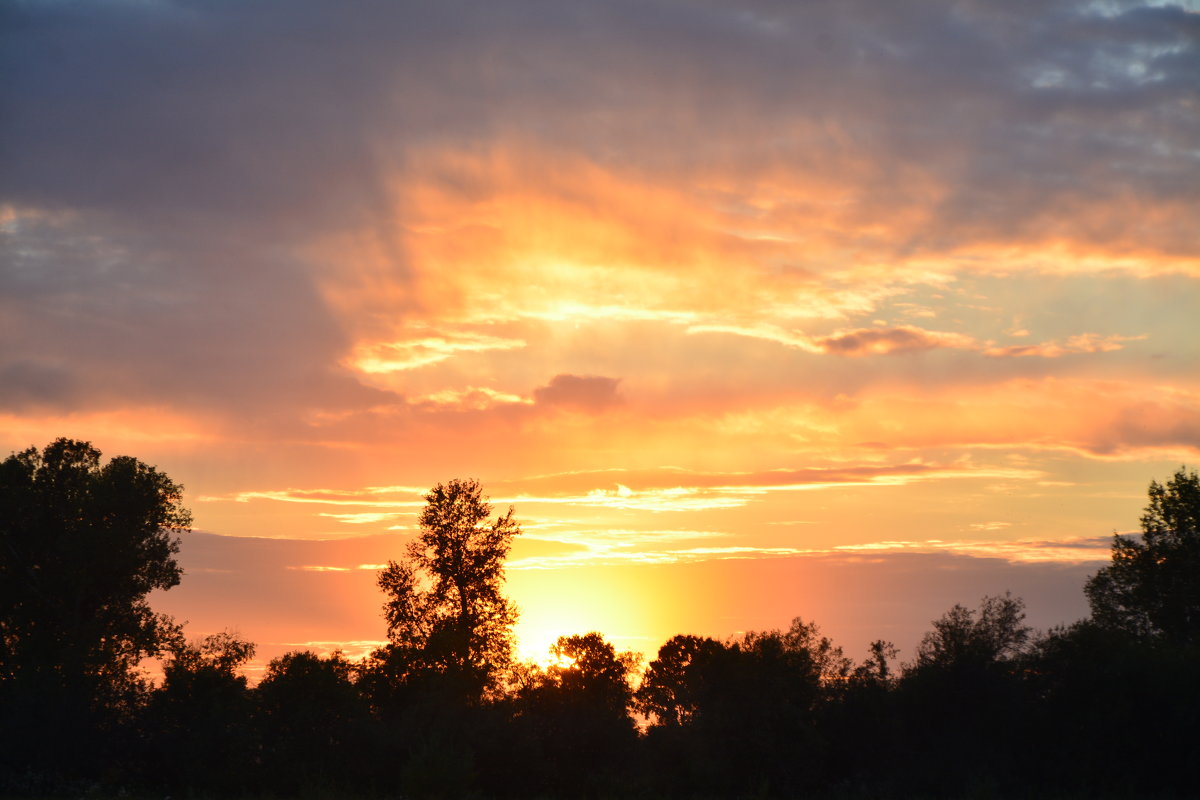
(1152, 586)
(82, 545)
(445, 610)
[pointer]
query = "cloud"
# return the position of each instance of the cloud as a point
(473, 398)
(543, 500)
(431, 348)
(1082, 343)
(589, 393)
(373, 496)
(873, 341)
(634, 486)
(1067, 551)
(1097, 418)
(861, 342)
(239, 237)
(362, 518)
(602, 553)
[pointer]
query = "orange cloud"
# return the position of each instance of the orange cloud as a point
(1099, 418)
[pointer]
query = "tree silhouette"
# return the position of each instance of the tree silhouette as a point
(591, 671)
(445, 611)
(200, 718)
(963, 701)
(574, 718)
(312, 722)
(738, 717)
(82, 545)
(962, 637)
(675, 684)
(1151, 588)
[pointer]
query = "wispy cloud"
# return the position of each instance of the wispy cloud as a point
(1083, 343)
(676, 489)
(376, 496)
(362, 518)
(472, 398)
(1023, 551)
(989, 526)
(1069, 551)
(659, 490)
(860, 342)
(424, 350)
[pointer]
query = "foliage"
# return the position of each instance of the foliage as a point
(676, 682)
(984, 709)
(1151, 588)
(312, 721)
(876, 671)
(962, 637)
(82, 545)
(445, 611)
(218, 654)
(575, 714)
(740, 716)
(203, 710)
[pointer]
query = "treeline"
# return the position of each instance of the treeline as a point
(1107, 707)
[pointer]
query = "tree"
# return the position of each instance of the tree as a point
(445, 612)
(591, 670)
(82, 545)
(573, 719)
(965, 699)
(312, 722)
(198, 720)
(739, 717)
(963, 638)
(1152, 586)
(876, 671)
(674, 687)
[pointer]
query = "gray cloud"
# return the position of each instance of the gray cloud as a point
(591, 393)
(229, 109)
(179, 157)
(889, 340)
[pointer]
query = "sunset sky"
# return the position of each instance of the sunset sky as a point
(753, 310)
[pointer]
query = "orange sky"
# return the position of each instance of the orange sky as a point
(751, 310)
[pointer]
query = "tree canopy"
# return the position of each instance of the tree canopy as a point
(81, 546)
(446, 612)
(1152, 588)
(962, 637)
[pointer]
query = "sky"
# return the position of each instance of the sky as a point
(752, 310)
